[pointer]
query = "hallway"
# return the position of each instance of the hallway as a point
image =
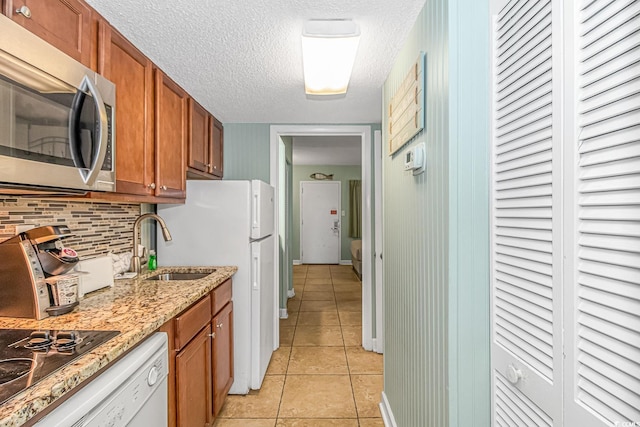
(320, 376)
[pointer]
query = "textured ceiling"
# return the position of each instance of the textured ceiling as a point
(242, 60)
(327, 150)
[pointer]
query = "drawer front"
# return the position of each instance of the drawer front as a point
(221, 296)
(191, 321)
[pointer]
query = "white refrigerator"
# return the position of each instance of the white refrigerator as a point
(232, 223)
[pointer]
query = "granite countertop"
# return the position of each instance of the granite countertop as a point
(135, 307)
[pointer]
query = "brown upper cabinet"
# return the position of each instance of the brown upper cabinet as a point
(198, 156)
(171, 137)
(204, 153)
(132, 73)
(217, 147)
(66, 24)
(150, 123)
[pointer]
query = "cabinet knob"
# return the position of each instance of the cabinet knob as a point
(24, 11)
(208, 165)
(152, 186)
(164, 187)
(219, 325)
(213, 335)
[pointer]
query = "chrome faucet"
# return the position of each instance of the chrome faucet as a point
(135, 260)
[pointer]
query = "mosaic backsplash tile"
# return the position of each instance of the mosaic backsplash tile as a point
(98, 228)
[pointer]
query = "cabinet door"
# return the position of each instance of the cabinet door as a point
(222, 325)
(217, 145)
(199, 140)
(193, 382)
(171, 137)
(132, 73)
(66, 24)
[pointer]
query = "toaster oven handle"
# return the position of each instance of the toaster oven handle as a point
(89, 173)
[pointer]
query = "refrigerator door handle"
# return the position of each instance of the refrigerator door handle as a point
(255, 271)
(256, 210)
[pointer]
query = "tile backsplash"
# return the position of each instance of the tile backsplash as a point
(98, 228)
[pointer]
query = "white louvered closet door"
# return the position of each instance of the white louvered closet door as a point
(602, 316)
(526, 214)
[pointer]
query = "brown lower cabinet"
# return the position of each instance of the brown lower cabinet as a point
(200, 359)
(222, 357)
(193, 381)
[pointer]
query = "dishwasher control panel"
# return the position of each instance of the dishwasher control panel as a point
(120, 408)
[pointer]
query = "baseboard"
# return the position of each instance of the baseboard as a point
(387, 414)
(346, 262)
(283, 313)
(297, 262)
(291, 293)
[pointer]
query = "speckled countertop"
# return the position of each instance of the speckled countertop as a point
(135, 307)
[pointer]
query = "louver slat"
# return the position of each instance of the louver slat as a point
(524, 284)
(608, 76)
(627, 11)
(607, 350)
(598, 333)
(535, 32)
(594, 355)
(521, 23)
(513, 70)
(629, 290)
(539, 333)
(528, 413)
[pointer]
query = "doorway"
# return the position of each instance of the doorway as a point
(320, 222)
(371, 312)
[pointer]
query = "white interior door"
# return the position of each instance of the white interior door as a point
(377, 177)
(602, 299)
(526, 350)
(320, 222)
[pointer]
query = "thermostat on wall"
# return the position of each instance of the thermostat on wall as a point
(415, 159)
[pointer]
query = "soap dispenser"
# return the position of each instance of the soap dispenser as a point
(153, 261)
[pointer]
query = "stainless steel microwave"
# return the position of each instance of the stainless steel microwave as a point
(57, 118)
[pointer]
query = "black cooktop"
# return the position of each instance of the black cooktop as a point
(27, 355)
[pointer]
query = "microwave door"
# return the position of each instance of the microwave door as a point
(88, 131)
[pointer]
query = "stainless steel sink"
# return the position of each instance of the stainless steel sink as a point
(179, 276)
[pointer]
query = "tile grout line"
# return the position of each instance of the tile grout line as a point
(286, 372)
(353, 394)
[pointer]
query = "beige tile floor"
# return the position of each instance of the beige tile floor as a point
(320, 376)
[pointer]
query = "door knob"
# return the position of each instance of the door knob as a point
(24, 11)
(513, 374)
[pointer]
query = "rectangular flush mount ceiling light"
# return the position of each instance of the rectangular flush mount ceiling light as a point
(328, 51)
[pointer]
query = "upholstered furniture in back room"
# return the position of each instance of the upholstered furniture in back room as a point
(356, 256)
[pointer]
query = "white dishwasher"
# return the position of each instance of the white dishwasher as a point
(132, 392)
